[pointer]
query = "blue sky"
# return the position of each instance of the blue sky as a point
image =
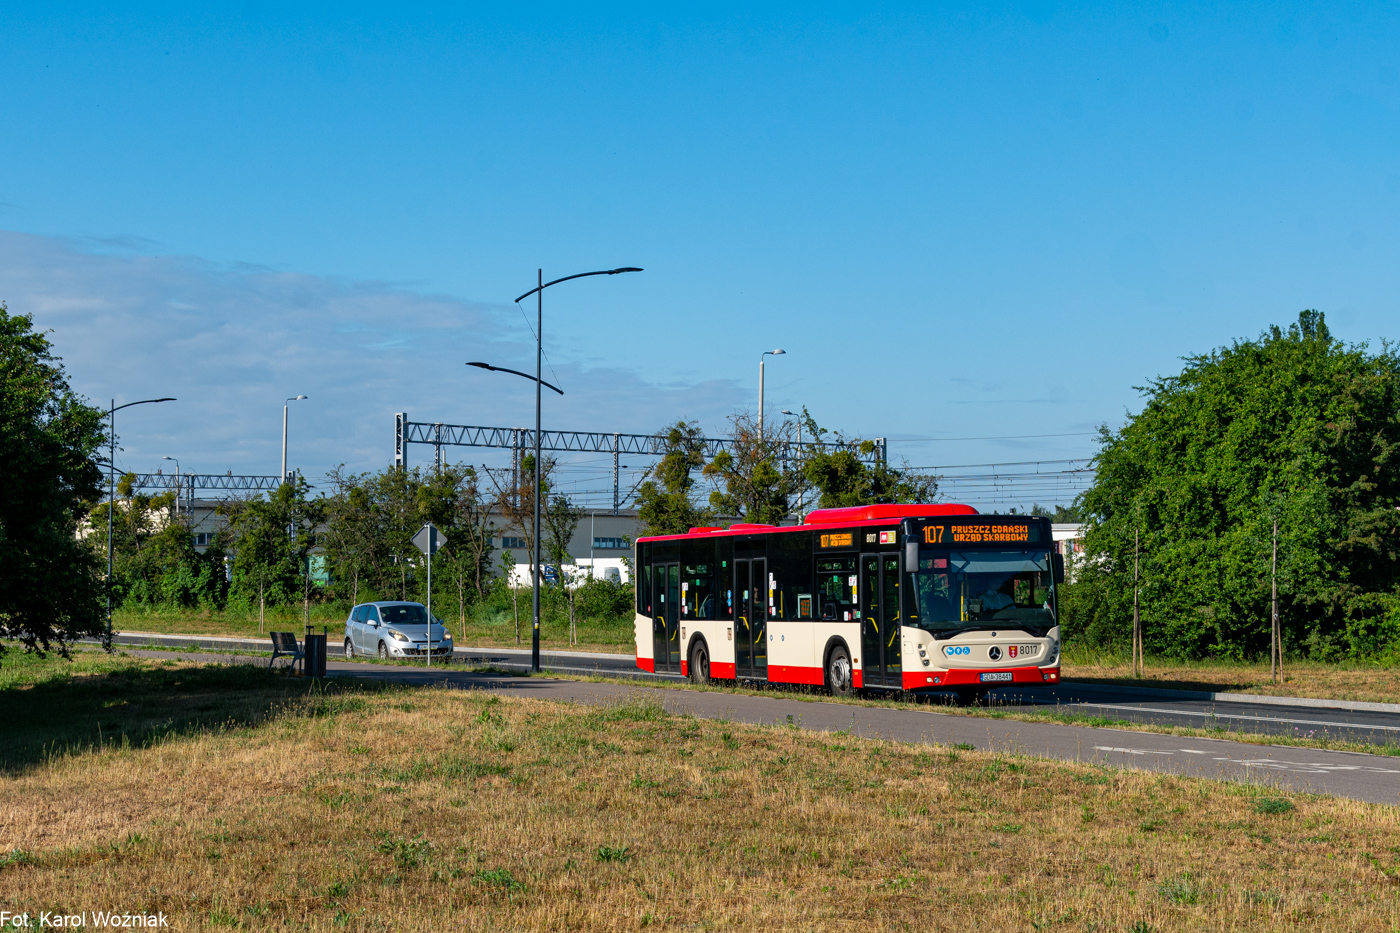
(959, 221)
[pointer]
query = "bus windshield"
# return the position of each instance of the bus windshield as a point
(961, 590)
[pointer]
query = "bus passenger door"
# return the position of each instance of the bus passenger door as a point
(743, 630)
(665, 624)
(872, 673)
(879, 621)
(673, 618)
(758, 618)
(889, 606)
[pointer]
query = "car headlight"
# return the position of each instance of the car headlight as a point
(446, 636)
(397, 636)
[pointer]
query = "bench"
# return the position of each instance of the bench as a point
(284, 645)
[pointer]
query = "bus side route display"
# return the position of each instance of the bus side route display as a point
(981, 534)
(842, 540)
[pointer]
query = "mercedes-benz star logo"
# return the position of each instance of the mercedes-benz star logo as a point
(994, 653)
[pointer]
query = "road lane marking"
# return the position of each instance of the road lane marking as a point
(1205, 715)
(1298, 767)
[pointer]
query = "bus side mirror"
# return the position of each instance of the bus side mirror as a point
(1059, 567)
(911, 556)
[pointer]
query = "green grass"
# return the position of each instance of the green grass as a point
(423, 809)
(55, 707)
(1374, 681)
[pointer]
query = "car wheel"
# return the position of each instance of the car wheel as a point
(349, 648)
(838, 672)
(700, 663)
(383, 651)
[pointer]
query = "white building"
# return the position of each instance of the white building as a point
(1069, 542)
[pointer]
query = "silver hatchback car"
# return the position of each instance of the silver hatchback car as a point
(394, 630)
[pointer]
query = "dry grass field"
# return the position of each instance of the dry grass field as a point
(1341, 681)
(231, 799)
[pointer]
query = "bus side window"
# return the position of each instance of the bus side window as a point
(835, 594)
(644, 594)
(697, 581)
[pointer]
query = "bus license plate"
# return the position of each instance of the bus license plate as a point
(996, 677)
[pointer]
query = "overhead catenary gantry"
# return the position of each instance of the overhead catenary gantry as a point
(518, 440)
(188, 483)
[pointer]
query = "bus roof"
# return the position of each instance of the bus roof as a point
(831, 518)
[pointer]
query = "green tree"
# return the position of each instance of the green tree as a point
(753, 479)
(840, 472)
(1293, 426)
(665, 499)
(154, 559)
(560, 520)
(50, 439)
(516, 500)
(1062, 514)
(350, 535)
(272, 538)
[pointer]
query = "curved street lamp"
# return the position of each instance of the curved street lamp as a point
(285, 406)
(778, 352)
(502, 369)
(801, 500)
(177, 482)
(112, 494)
(538, 291)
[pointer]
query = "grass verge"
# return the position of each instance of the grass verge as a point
(424, 809)
(1333, 681)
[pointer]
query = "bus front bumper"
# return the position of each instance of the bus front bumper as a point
(972, 677)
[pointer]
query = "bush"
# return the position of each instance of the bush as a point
(604, 600)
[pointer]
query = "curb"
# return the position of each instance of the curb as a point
(225, 642)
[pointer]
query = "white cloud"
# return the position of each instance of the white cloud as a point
(231, 342)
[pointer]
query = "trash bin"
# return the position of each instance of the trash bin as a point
(314, 655)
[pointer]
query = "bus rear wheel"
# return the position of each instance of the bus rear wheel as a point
(700, 664)
(838, 672)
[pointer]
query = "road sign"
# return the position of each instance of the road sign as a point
(429, 540)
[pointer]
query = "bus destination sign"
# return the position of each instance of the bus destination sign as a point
(980, 534)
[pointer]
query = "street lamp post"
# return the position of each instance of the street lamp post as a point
(177, 482)
(538, 291)
(801, 503)
(778, 352)
(112, 494)
(285, 406)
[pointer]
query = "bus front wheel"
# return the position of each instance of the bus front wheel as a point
(838, 672)
(700, 664)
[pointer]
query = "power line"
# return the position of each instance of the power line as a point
(968, 466)
(1006, 437)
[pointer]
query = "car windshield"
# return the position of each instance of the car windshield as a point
(403, 615)
(971, 589)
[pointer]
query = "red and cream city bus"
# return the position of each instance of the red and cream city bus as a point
(879, 597)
